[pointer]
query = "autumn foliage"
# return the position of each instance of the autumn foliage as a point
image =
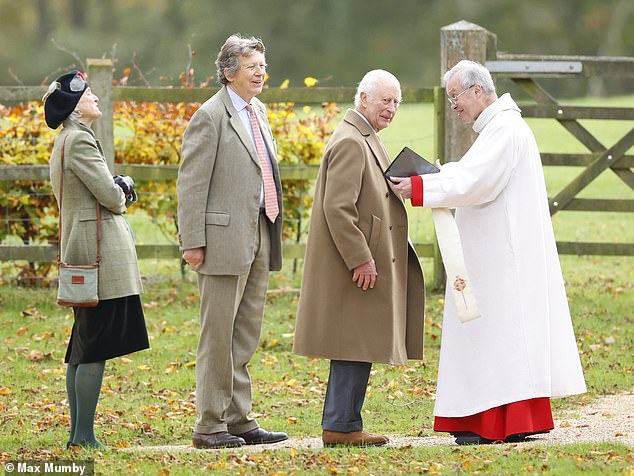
(145, 133)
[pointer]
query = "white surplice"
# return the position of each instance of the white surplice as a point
(523, 346)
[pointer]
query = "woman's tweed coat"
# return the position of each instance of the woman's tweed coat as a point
(87, 180)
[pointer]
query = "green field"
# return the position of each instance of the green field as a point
(147, 398)
(413, 126)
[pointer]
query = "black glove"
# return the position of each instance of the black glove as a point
(127, 185)
(132, 197)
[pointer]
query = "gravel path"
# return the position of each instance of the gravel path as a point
(608, 419)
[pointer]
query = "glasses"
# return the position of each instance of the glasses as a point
(454, 99)
(252, 67)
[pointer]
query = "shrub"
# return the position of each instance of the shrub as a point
(145, 133)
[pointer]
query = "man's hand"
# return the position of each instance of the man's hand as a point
(365, 275)
(403, 186)
(194, 257)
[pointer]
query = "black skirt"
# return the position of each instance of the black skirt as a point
(113, 328)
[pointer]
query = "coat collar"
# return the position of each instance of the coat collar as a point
(72, 124)
(504, 103)
(371, 137)
(357, 121)
(243, 134)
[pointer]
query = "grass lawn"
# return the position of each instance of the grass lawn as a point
(147, 398)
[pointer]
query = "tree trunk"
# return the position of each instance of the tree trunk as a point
(45, 22)
(78, 13)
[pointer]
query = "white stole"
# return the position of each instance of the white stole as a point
(452, 256)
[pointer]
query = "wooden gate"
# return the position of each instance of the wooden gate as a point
(465, 40)
(461, 40)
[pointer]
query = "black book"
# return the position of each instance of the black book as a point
(408, 163)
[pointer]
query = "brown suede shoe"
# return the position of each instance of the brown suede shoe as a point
(222, 439)
(355, 438)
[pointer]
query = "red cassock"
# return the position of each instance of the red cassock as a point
(526, 416)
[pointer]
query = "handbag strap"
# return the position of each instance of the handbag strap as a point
(59, 228)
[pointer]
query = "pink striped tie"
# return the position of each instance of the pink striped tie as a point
(270, 194)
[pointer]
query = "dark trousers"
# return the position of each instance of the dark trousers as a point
(347, 384)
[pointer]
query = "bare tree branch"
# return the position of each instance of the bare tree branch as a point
(113, 53)
(138, 70)
(190, 56)
(16, 78)
(71, 53)
(63, 69)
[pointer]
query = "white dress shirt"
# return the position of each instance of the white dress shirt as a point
(241, 106)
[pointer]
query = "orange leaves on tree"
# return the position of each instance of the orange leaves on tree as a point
(148, 133)
(301, 140)
(26, 140)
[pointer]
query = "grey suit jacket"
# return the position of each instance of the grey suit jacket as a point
(87, 179)
(219, 185)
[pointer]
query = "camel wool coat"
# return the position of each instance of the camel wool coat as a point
(356, 217)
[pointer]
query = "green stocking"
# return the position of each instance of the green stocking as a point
(72, 400)
(88, 378)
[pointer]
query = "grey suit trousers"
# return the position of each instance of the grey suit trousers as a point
(231, 314)
(345, 394)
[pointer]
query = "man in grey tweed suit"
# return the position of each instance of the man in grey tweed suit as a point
(230, 242)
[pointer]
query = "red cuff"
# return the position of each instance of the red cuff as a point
(417, 190)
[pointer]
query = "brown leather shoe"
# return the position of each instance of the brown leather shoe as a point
(355, 438)
(222, 439)
(258, 436)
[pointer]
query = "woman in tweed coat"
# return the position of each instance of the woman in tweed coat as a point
(116, 326)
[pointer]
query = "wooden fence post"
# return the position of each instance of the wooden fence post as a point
(439, 148)
(458, 41)
(100, 80)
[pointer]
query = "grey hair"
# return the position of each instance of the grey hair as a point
(229, 55)
(470, 73)
(75, 115)
(370, 82)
